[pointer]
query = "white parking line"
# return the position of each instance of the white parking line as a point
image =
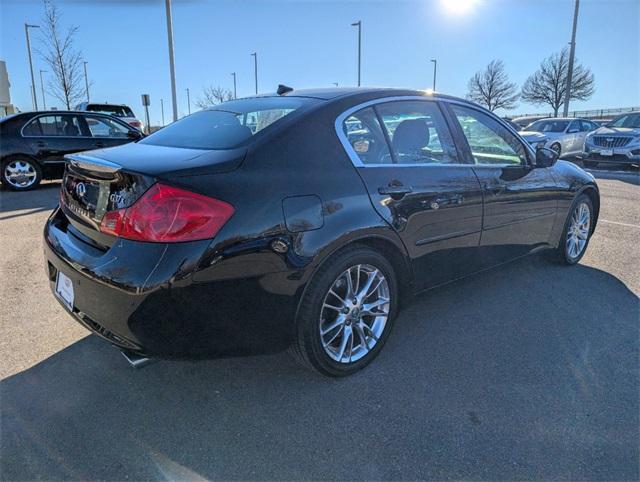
(620, 224)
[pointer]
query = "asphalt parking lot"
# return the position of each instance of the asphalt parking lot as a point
(528, 371)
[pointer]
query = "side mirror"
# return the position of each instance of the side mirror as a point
(135, 134)
(546, 157)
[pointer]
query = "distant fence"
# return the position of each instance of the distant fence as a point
(586, 114)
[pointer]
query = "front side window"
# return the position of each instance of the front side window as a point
(418, 133)
(574, 127)
(490, 142)
(53, 126)
(632, 121)
(227, 125)
(104, 127)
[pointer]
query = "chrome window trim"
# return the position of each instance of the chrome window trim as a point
(78, 115)
(355, 159)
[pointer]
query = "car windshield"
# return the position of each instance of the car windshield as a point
(115, 110)
(631, 121)
(547, 126)
(226, 125)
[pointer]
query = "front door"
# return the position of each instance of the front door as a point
(419, 185)
(520, 201)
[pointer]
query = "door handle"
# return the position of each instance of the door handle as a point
(395, 190)
(41, 144)
(99, 144)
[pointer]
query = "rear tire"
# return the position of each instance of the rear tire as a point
(330, 300)
(20, 173)
(577, 231)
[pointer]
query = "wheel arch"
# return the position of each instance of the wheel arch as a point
(392, 250)
(594, 195)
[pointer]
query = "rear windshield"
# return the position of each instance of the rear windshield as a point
(116, 110)
(226, 125)
(547, 126)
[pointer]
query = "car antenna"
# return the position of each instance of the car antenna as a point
(283, 89)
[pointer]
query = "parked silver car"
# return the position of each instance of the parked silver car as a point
(616, 142)
(122, 111)
(564, 135)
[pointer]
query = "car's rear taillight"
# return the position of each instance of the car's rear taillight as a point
(136, 124)
(166, 214)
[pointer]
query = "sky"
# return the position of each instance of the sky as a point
(311, 43)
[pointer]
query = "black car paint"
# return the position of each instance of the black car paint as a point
(297, 186)
(49, 151)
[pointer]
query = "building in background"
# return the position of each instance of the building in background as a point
(6, 107)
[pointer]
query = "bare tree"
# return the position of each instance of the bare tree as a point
(213, 95)
(492, 89)
(63, 59)
(548, 84)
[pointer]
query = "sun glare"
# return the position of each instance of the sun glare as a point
(459, 7)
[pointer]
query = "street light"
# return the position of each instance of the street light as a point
(172, 68)
(572, 53)
(255, 68)
(188, 101)
(162, 110)
(33, 81)
(359, 25)
(435, 69)
(86, 80)
(235, 92)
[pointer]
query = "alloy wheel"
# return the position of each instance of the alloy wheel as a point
(354, 313)
(20, 174)
(578, 230)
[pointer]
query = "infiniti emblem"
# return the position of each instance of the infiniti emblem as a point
(81, 189)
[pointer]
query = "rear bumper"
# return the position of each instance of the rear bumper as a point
(167, 300)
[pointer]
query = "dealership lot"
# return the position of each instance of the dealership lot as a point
(526, 371)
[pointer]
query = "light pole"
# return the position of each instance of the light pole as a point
(359, 25)
(33, 81)
(235, 92)
(86, 80)
(255, 68)
(162, 110)
(188, 102)
(44, 101)
(172, 68)
(572, 53)
(435, 70)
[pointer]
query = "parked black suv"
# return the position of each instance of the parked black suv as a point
(34, 143)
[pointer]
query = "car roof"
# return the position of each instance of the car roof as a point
(331, 93)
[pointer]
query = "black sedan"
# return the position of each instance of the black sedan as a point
(300, 220)
(34, 143)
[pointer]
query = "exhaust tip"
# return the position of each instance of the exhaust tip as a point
(135, 360)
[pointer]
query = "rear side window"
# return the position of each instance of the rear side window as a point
(228, 125)
(53, 126)
(365, 135)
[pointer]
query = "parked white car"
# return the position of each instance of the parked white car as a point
(121, 111)
(564, 135)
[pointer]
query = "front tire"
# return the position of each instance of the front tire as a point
(577, 231)
(20, 174)
(556, 147)
(346, 313)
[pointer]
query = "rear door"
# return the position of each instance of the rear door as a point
(404, 152)
(520, 200)
(52, 136)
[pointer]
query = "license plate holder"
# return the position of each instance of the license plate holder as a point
(606, 152)
(64, 290)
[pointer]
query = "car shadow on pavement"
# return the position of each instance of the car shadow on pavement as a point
(44, 197)
(529, 371)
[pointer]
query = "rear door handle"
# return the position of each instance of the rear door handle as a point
(41, 144)
(99, 144)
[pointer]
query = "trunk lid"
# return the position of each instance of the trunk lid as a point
(105, 180)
